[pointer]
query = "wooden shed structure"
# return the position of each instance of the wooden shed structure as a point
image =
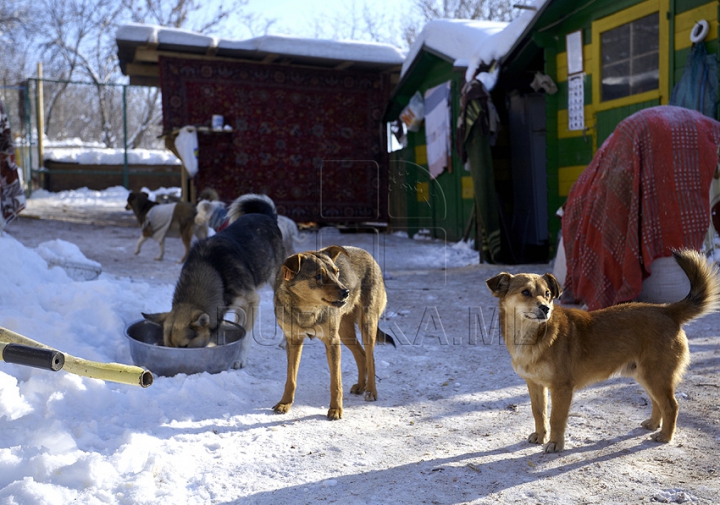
(302, 118)
(609, 59)
(438, 202)
(500, 194)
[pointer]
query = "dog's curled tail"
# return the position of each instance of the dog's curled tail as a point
(704, 295)
(251, 203)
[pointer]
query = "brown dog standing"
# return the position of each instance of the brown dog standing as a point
(324, 294)
(562, 349)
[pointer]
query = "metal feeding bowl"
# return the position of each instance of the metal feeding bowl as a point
(147, 350)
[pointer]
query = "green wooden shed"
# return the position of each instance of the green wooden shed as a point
(609, 59)
(438, 206)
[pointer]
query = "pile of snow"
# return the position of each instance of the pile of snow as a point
(70, 258)
(110, 198)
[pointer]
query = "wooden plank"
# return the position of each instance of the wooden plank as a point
(567, 177)
(139, 70)
(685, 22)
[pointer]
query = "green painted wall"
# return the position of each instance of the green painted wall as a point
(549, 34)
(445, 212)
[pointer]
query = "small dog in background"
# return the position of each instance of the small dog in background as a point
(212, 214)
(562, 349)
(208, 194)
(159, 221)
(324, 294)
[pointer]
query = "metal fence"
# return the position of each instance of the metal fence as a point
(82, 114)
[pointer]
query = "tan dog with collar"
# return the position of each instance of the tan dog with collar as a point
(323, 295)
(561, 349)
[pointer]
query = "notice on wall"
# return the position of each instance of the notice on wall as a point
(574, 49)
(576, 102)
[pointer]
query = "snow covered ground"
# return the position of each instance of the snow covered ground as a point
(449, 426)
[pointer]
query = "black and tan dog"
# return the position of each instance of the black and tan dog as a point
(324, 294)
(221, 274)
(563, 349)
(158, 221)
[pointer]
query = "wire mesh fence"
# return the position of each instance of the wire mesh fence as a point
(107, 117)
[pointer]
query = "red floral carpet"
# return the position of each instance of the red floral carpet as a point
(311, 139)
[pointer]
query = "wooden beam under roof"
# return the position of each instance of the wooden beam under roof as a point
(153, 82)
(344, 65)
(143, 70)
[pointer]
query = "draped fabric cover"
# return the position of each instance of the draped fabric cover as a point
(645, 191)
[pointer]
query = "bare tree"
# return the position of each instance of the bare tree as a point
(491, 10)
(12, 15)
(191, 14)
(78, 43)
(15, 24)
(358, 20)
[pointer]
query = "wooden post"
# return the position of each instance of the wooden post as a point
(40, 109)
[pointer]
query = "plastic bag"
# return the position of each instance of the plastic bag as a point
(414, 113)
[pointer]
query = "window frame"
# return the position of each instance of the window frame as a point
(616, 20)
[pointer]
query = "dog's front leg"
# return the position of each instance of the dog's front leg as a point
(561, 398)
(538, 401)
(333, 351)
(294, 352)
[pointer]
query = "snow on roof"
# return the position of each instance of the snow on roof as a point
(501, 43)
(153, 34)
(455, 38)
(280, 44)
(334, 49)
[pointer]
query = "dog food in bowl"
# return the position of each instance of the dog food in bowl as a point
(147, 350)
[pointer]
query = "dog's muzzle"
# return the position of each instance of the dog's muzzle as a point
(343, 294)
(543, 312)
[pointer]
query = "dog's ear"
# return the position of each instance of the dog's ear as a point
(499, 284)
(553, 285)
(334, 251)
(158, 317)
(200, 320)
(291, 267)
